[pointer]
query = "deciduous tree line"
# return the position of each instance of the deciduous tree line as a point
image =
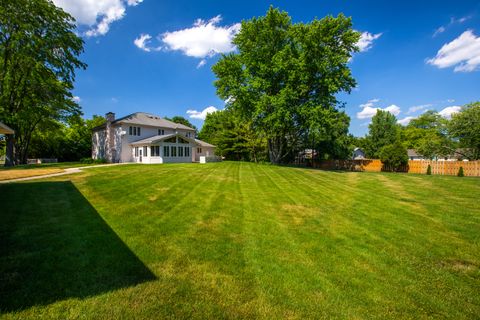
(430, 134)
(280, 87)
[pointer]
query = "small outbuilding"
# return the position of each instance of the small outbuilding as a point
(4, 129)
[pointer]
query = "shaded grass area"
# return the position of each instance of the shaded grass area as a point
(239, 240)
(55, 246)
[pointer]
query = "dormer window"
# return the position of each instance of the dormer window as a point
(134, 131)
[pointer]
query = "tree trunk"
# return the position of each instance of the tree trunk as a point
(9, 156)
(275, 148)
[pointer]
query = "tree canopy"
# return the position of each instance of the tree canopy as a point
(382, 131)
(465, 126)
(181, 120)
(234, 138)
(39, 55)
(285, 77)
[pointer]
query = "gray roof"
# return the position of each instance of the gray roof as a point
(413, 153)
(148, 119)
(154, 139)
(203, 143)
(159, 138)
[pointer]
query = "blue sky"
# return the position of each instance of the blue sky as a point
(156, 56)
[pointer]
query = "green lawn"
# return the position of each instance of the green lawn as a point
(239, 240)
(57, 165)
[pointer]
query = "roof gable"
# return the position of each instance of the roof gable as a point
(147, 119)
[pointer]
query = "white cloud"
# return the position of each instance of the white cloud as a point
(405, 120)
(369, 110)
(76, 99)
(442, 29)
(366, 40)
(463, 53)
(448, 111)
(229, 100)
(204, 39)
(439, 30)
(369, 103)
(393, 109)
(134, 2)
(194, 114)
(97, 15)
(142, 42)
(201, 63)
(418, 108)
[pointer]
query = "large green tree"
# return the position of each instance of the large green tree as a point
(70, 141)
(465, 126)
(234, 138)
(38, 57)
(181, 120)
(382, 131)
(285, 77)
(428, 135)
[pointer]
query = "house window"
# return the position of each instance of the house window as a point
(187, 151)
(171, 140)
(174, 151)
(136, 151)
(130, 130)
(145, 151)
(161, 132)
(199, 150)
(166, 152)
(180, 151)
(188, 134)
(138, 131)
(134, 131)
(155, 151)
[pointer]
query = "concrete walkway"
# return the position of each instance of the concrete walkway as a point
(67, 171)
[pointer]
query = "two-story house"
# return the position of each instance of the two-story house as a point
(146, 138)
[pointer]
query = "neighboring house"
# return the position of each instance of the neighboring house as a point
(457, 155)
(146, 138)
(358, 154)
(413, 155)
(4, 129)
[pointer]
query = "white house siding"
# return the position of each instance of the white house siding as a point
(162, 158)
(145, 132)
(205, 151)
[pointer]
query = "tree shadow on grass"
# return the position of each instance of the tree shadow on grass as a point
(54, 245)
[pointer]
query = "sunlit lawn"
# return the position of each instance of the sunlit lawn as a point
(31, 170)
(239, 240)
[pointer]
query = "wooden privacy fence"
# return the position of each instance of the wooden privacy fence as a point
(470, 168)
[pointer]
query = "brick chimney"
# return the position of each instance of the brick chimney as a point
(109, 137)
(110, 116)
